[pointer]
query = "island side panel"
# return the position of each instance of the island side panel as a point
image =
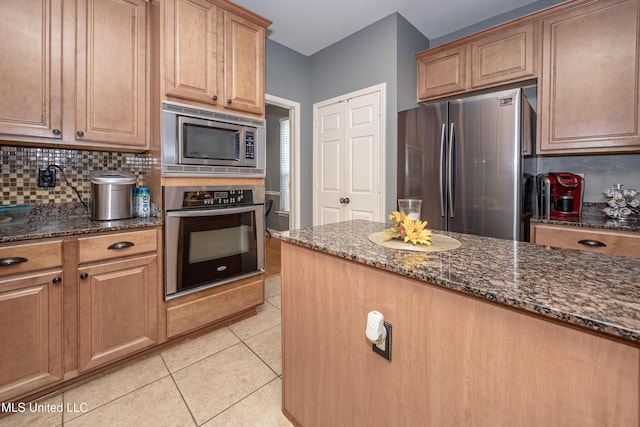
(456, 359)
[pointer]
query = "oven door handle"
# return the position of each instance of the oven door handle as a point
(213, 212)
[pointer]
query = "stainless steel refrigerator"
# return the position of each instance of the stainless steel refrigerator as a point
(469, 161)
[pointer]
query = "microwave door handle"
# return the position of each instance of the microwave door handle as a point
(212, 212)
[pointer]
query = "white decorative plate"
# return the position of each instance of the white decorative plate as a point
(439, 243)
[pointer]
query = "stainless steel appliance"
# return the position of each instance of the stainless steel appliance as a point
(111, 195)
(213, 235)
(559, 194)
(200, 141)
(464, 159)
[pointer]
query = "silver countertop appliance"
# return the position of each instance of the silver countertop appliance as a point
(111, 195)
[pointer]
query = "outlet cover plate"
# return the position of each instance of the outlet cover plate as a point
(386, 351)
(46, 178)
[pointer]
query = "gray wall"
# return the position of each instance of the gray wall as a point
(498, 19)
(363, 59)
(288, 76)
(382, 52)
(410, 42)
(600, 172)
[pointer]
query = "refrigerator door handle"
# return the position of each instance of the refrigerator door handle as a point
(441, 174)
(450, 171)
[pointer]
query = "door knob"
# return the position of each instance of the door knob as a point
(344, 200)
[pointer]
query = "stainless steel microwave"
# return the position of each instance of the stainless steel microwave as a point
(199, 141)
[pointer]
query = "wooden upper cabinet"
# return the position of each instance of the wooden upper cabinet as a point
(590, 84)
(503, 55)
(191, 50)
(31, 70)
(213, 55)
(243, 64)
(111, 84)
(444, 72)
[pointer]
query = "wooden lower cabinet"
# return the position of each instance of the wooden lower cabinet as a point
(30, 332)
(456, 360)
(614, 242)
(119, 293)
(108, 308)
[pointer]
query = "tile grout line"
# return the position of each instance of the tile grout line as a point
(195, 422)
(245, 397)
(117, 398)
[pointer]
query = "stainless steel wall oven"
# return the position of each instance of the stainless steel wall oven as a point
(213, 235)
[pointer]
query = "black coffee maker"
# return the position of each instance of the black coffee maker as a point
(559, 194)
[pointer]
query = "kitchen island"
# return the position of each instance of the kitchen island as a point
(492, 333)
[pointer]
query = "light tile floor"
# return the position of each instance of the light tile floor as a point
(229, 377)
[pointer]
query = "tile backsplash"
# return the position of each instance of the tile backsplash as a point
(19, 170)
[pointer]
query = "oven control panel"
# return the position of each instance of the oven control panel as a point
(217, 198)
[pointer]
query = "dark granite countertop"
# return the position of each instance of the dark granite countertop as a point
(593, 221)
(44, 227)
(596, 291)
(593, 217)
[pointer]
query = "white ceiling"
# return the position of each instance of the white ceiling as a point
(308, 26)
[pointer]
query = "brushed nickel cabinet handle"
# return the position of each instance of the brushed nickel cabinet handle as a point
(592, 243)
(121, 245)
(12, 260)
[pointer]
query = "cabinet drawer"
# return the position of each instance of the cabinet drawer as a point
(192, 312)
(615, 242)
(116, 245)
(38, 256)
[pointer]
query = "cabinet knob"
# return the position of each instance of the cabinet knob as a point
(84, 276)
(344, 200)
(215, 97)
(229, 101)
(56, 132)
(80, 133)
(57, 280)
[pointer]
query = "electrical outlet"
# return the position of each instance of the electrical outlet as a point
(384, 348)
(46, 178)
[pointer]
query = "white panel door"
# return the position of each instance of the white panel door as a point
(328, 179)
(348, 158)
(362, 156)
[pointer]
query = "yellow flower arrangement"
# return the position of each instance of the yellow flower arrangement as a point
(407, 229)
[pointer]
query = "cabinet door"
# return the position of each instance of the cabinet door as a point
(30, 333)
(191, 50)
(31, 73)
(118, 309)
(111, 72)
(243, 64)
(590, 82)
(505, 55)
(443, 73)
